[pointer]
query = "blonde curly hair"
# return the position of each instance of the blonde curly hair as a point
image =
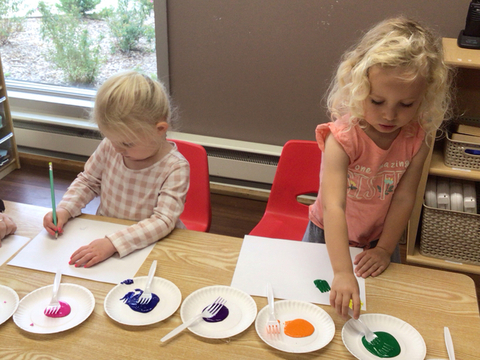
(131, 103)
(395, 42)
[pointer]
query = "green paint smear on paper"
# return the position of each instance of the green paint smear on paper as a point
(322, 285)
(384, 346)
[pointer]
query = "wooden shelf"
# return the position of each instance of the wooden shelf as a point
(418, 259)
(438, 168)
(460, 57)
(468, 63)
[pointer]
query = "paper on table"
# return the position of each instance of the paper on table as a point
(290, 266)
(46, 253)
(10, 245)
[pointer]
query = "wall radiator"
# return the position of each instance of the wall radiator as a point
(230, 159)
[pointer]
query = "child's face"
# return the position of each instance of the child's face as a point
(393, 102)
(137, 150)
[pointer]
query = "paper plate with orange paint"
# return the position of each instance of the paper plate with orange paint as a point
(300, 317)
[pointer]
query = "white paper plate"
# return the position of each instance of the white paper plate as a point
(242, 311)
(8, 303)
(287, 310)
(30, 317)
(411, 342)
(169, 294)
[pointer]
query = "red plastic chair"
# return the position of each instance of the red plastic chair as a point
(197, 214)
(298, 173)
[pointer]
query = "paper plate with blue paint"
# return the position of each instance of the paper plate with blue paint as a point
(8, 303)
(117, 307)
(411, 342)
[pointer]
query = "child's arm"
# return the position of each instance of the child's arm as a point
(170, 203)
(334, 193)
(374, 261)
(87, 184)
(81, 191)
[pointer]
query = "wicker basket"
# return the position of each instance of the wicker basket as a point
(450, 235)
(458, 154)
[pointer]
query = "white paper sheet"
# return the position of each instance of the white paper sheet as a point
(290, 266)
(10, 245)
(46, 253)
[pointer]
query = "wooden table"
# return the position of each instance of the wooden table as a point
(426, 299)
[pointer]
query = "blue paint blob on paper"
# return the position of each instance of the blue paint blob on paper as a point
(131, 299)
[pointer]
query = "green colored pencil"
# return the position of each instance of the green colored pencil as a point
(52, 189)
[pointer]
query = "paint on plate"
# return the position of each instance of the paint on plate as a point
(220, 316)
(64, 310)
(322, 285)
(131, 299)
(384, 346)
(298, 328)
(127, 282)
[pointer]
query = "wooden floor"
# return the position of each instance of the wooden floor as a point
(231, 215)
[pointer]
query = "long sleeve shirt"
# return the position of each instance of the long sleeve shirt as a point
(153, 196)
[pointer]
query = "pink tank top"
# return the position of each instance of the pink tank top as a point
(373, 175)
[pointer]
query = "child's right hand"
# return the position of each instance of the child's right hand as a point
(344, 288)
(62, 217)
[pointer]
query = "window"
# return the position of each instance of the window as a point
(40, 92)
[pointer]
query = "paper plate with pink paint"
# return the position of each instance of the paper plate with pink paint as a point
(8, 303)
(30, 313)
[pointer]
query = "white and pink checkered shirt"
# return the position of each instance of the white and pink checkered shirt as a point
(153, 196)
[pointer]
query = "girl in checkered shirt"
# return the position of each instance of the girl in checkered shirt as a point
(137, 173)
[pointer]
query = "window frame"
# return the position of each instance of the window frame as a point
(70, 106)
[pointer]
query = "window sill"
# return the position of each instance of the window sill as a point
(50, 104)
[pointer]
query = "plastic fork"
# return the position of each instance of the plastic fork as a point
(147, 294)
(54, 305)
(449, 343)
(209, 312)
(369, 335)
(273, 326)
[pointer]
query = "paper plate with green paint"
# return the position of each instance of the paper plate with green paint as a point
(412, 345)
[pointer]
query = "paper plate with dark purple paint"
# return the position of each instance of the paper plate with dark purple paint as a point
(236, 316)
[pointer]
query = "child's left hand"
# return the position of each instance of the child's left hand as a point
(371, 262)
(93, 253)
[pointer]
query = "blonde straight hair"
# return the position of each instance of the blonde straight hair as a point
(131, 104)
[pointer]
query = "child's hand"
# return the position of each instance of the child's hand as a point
(344, 288)
(371, 262)
(62, 217)
(7, 227)
(93, 253)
